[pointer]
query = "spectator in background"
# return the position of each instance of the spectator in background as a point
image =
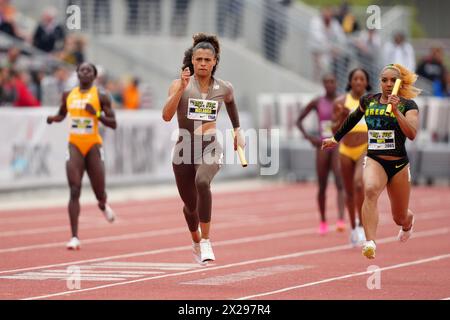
(447, 85)
(327, 42)
(7, 19)
(368, 48)
(432, 68)
(7, 92)
(23, 95)
(49, 35)
(400, 51)
(274, 27)
(53, 86)
(73, 52)
(114, 87)
(131, 95)
(15, 60)
(347, 19)
(229, 17)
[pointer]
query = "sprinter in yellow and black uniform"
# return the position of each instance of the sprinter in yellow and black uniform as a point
(387, 164)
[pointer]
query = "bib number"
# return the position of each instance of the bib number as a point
(204, 110)
(381, 139)
(82, 126)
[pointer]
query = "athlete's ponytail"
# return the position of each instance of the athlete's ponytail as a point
(407, 89)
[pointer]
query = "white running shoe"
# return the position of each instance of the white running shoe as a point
(73, 244)
(403, 236)
(361, 235)
(369, 249)
(109, 213)
(197, 252)
(354, 237)
(206, 251)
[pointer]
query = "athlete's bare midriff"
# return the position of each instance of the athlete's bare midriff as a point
(354, 139)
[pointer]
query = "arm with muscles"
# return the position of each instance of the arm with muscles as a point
(62, 112)
(348, 125)
(175, 93)
(234, 117)
(315, 141)
(409, 122)
(108, 118)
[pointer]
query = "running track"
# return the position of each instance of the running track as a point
(265, 243)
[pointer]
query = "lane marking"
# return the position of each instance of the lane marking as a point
(347, 276)
(265, 237)
(164, 232)
(420, 234)
(246, 275)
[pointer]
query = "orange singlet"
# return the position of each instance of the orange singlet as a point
(83, 125)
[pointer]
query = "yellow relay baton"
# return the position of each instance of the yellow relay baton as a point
(397, 84)
(240, 152)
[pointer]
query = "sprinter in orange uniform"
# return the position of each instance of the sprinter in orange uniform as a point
(86, 106)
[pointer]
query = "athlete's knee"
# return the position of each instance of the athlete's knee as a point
(358, 185)
(202, 184)
(371, 192)
(75, 191)
(189, 210)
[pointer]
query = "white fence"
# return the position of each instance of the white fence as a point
(33, 154)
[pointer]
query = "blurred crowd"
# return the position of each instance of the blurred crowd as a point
(36, 68)
(337, 39)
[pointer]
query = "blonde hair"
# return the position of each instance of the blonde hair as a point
(407, 89)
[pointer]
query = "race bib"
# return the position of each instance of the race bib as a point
(381, 139)
(325, 128)
(204, 110)
(82, 125)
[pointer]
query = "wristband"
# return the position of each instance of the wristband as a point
(98, 114)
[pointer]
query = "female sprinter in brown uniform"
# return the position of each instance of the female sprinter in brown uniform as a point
(387, 164)
(353, 149)
(196, 98)
(326, 160)
(86, 107)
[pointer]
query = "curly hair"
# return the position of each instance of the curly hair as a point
(202, 41)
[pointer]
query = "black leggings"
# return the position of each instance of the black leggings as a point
(193, 176)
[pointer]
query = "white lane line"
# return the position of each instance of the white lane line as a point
(126, 220)
(221, 225)
(347, 276)
(245, 275)
(38, 277)
(89, 270)
(265, 237)
(446, 298)
(164, 232)
(420, 234)
(162, 208)
(180, 248)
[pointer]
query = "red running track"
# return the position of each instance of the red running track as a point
(265, 242)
